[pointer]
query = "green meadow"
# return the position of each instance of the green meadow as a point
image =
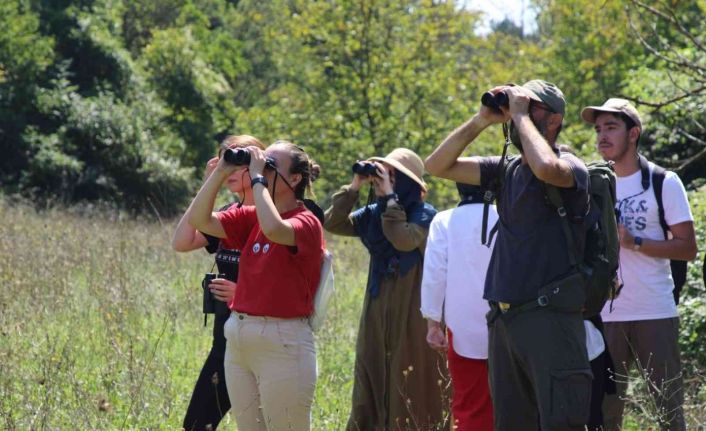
(101, 329)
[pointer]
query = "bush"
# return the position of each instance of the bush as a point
(106, 149)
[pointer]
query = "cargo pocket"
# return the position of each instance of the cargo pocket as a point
(570, 397)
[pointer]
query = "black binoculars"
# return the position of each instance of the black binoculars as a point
(365, 169)
(495, 101)
(211, 305)
(241, 157)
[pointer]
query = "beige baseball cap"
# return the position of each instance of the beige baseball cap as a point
(614, 106)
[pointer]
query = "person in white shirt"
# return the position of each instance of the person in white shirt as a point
(455, 264)
(642, 324)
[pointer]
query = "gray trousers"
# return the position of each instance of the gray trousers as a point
(539, 370)
(652, 347)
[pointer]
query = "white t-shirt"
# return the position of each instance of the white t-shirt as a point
(594, 340)
(647, 281)
(455, 264)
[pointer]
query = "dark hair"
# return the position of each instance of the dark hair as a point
(241, 141)
(301, 164)
(469, 192)
(629, 123)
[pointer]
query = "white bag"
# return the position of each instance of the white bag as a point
(323, 293)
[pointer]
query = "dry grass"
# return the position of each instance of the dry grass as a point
(100, 324)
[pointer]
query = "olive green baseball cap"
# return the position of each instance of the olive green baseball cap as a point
(547, 93)
(613, 106)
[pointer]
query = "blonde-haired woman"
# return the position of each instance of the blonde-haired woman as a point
(209, 399)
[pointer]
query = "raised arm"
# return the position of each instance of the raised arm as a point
(404, 236)
(540, 157)
(337, 218)
(186, 238)
(273, 226)
(200, 213)
(446, 161)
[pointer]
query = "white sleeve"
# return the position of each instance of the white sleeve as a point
(675, 201)
(434, 274)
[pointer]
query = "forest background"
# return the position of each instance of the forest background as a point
(109, 110)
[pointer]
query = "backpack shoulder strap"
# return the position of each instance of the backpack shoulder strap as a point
(658, 175)
(678, 267)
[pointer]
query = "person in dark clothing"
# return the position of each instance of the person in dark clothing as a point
(602, 381)
(209, 400)
(600, 359)
(538, 362)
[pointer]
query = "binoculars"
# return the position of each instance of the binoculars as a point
(365, 169)
(241, 157)
(495, 101)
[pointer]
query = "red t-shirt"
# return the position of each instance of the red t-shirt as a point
(274, 279)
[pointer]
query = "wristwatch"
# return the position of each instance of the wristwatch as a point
(637, 243)
(259, 179)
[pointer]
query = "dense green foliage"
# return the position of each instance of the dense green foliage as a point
(124, 100)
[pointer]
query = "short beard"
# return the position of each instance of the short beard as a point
(623, 154)
(542, 128)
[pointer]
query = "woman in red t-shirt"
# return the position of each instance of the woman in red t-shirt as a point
(270, 350)
(209, 399)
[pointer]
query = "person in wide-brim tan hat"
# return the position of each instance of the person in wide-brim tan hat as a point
(407, 162)
(395, 377)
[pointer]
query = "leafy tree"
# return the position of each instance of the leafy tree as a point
(25, 55)
(674, 92)
(587, 49)
(363, 77)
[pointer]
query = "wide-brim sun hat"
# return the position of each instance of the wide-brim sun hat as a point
(407, 162)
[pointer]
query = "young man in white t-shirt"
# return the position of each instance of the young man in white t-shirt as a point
(642, 324)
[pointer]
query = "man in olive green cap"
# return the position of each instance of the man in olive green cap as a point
(538, 363)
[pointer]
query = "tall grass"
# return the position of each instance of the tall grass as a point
(100, 324)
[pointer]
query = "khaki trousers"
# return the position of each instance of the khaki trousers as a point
(270, 370)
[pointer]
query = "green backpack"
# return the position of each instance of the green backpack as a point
(598, 261)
